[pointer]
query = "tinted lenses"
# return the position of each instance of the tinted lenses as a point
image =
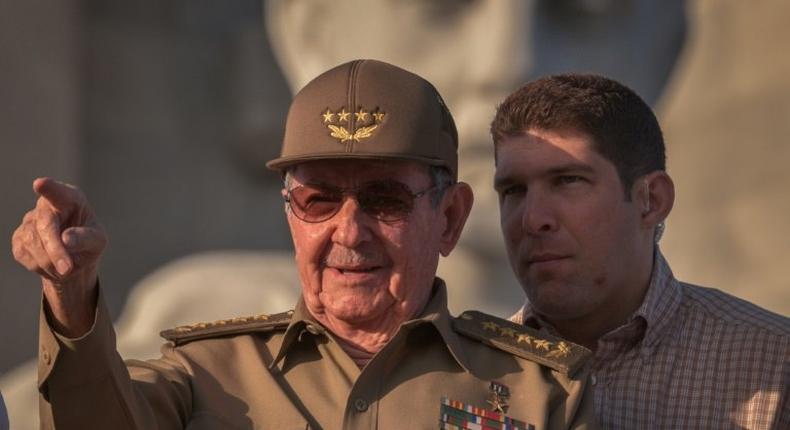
(386, 200)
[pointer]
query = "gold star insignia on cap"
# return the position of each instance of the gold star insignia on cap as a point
(342, 116)
(379, 116)
(343, 134)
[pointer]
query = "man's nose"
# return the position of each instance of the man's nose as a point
(539, 214)
(351, 224)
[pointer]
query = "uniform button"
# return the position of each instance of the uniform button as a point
(312, 329)
(47, 358)
(360, 405)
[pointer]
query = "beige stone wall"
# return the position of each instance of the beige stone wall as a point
(726, 118)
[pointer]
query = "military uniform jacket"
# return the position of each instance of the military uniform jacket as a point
(286, 371)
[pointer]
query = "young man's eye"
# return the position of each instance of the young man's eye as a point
(569, 179)
(512, 190)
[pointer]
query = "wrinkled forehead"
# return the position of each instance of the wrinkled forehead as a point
(349, 173)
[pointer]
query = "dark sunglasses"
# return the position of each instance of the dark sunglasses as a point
(384, 200)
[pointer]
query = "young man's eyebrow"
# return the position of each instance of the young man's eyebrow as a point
(570, 168)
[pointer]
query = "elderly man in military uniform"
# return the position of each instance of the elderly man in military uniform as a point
(369, 162)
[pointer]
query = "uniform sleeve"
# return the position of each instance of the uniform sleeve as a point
(83, 383)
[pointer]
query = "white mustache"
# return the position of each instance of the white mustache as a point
(345, 257)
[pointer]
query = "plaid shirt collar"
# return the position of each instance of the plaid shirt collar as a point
(647, 324)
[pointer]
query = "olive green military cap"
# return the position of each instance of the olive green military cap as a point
(368, 109)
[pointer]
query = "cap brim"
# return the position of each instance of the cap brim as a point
(282, 163)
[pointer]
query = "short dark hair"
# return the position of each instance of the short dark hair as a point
(622, 126)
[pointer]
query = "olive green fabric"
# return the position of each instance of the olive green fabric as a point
(297, 377)
(371, 110)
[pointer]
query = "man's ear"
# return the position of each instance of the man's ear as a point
(284, 195)
(455, 206)
(655, 193)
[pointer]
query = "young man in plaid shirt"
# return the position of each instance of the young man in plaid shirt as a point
(583, 194)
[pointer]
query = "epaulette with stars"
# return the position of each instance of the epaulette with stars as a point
(523, 341)
(255, 323)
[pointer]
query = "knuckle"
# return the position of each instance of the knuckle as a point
(16, 236)
(29, 265)
(46, 220)
(30, 237)
(18, 251)
(45, 224)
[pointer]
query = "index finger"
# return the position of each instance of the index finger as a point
(62, 197)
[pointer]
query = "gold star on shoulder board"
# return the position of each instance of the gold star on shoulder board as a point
(506, 331)
(361, 115)
(525, 338)
(490, 325)
(379, 116)
(542, 344)
(328, 116)
(342, 116)
(562, 350)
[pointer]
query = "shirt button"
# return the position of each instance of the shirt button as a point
(47, 358)
(360, 405)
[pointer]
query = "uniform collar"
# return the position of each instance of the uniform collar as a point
(649, 323)
(435, 313)
(301, 322)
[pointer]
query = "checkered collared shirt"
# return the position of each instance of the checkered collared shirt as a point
(690, 358)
